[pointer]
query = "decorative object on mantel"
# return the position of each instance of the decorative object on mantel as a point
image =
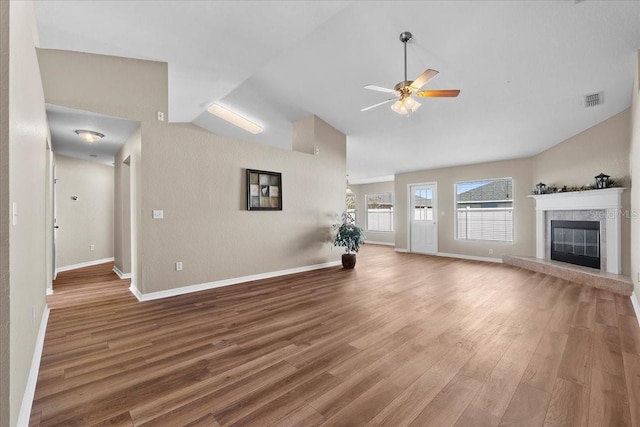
(264, 190)
(541, 188)
(349, 236)
(602, 181)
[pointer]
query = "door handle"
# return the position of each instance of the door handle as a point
(56, 226)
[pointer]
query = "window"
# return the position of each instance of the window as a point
(484, 210)
(351, 203)
(379, 212)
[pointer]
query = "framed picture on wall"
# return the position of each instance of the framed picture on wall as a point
(264, 190)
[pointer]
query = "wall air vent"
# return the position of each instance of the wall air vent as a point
(593, 99)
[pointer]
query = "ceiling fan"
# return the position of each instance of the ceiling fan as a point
(405, 91)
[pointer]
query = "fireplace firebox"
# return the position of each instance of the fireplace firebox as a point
(576, 242)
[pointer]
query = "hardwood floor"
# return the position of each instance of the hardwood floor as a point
(401, 340)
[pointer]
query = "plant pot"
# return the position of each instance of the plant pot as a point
(348, 261)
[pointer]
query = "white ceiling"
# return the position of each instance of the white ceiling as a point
(523, 68)
(64, 122)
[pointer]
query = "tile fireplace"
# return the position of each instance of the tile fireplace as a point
(581, 227)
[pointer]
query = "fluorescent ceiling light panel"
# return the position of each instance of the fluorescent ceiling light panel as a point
(234, 118)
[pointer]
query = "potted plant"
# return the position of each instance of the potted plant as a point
(349, 236)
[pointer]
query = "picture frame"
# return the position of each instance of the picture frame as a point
(264, 190)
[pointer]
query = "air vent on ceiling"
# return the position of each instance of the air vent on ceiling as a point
(593, 99)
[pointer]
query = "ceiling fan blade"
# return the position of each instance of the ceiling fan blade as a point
(423, 79)
(380, 89)
(378, 104)
(450, 93)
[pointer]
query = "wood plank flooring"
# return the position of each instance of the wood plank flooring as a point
(401, 340)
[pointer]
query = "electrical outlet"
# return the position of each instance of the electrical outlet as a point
(179, 266)
(158, 214)
(161, 116)
(92, 247)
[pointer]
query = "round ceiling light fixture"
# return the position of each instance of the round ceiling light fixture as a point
(89, 136)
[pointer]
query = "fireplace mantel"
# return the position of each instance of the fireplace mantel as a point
(608, 200)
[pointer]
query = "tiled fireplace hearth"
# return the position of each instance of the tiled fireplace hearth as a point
(599, 210)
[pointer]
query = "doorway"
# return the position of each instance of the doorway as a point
(423, 215)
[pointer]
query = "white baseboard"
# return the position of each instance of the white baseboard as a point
(470, 257)
(370, 242)
(120, 274)
(226, 282)
(136, 293)
(636, 305)
(30, 389)
(83, 264)
(459, 256)
(49, 291)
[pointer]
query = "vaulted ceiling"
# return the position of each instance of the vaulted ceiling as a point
(523, 68)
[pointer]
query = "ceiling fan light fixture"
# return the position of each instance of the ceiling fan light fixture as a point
(89, 136)
(398, 107)
(411, 104)
(405, 106)
(235, 119)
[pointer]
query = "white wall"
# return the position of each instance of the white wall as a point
(89, 219)
(28, 133)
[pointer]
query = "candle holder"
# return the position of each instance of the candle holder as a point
(541, 188)
(603, 181)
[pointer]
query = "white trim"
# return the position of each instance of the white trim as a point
(470, 257)
(371, 242)
(136, 293)
(49, 291)
(636, 305)
(226, 282)
(120, 274)
(386, 178)
(83, 264)
(30, 388)
(402, 250)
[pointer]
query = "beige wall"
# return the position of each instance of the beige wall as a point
(88, 220)
(524, 213)
(576, 161)
(635, 177)
(28, 133)
(126, 180)
(197, 178)
(5, 201)
(360, 192)
(602, 148)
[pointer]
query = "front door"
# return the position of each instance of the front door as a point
(423, 227)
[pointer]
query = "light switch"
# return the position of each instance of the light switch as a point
(158, 214)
